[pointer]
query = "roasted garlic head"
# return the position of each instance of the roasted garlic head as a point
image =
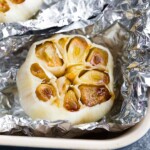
(18, 10)
(66, 77)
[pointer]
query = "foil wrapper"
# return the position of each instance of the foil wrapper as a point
(122, 26)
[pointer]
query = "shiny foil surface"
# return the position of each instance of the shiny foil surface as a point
(122, 26)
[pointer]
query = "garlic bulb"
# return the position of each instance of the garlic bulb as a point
(18, 10)
(66, 77)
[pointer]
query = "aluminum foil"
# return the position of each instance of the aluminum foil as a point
(122, 26)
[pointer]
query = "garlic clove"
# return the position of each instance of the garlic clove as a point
(92, 95)
(77, 50)
(45, 91)
(47, 52)
(63, 84)
(94, 77)
(37, 71)
(97, 56)
(17, 1)
(73, 71)
(4, 7)
(70, 101)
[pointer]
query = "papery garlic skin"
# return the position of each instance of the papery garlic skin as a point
(63, 101)
(20, 11)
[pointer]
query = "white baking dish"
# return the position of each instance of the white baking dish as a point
(125, 139)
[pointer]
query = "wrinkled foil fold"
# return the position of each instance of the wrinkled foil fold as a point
(122, 26)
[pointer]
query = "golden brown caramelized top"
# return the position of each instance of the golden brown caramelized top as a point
(4, 7)
(82, 83)
(17, 1)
